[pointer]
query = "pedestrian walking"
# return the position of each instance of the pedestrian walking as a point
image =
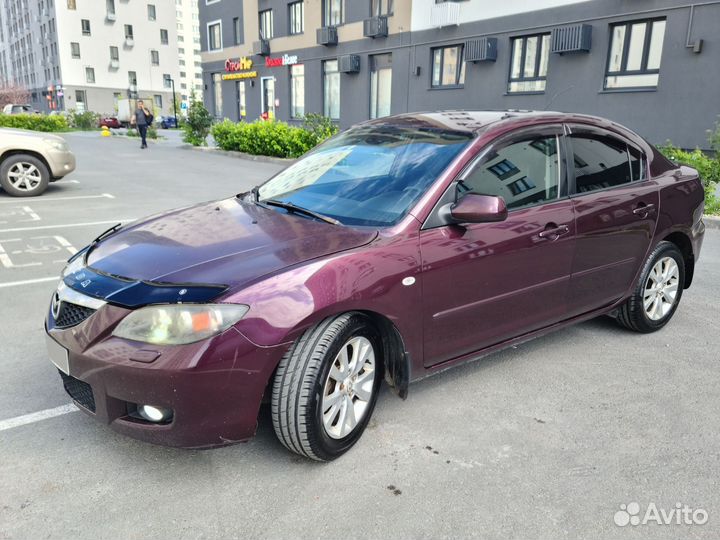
(142, 118)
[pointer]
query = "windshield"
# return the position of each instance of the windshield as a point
(367, 176)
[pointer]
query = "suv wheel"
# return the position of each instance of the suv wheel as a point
(657, 292)
(326, 387)
(23, 175)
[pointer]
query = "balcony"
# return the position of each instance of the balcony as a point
(445, 14)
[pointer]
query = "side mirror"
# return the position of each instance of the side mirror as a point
(474, 208)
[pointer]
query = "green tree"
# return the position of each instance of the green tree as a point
(197, 125)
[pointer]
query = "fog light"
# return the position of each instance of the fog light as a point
(154, 414)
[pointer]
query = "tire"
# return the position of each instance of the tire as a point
(35, 181)
(304, 385)
(646, 311)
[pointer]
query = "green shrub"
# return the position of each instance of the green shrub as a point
(272, 138)
(34, 122)
(707, 167)
(197, 125)
(152, 132)
(85, 121)
(320, 126)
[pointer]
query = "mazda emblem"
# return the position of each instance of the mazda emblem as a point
(56, 305)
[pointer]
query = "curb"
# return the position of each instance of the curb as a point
(240, 155)
(711, 222)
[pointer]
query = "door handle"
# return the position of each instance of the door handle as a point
(644, 210)
(554, 232)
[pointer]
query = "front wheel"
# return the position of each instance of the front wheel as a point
(658, 291)
(23, 175)
(326, 387)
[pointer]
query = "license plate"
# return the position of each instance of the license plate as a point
(58, 354)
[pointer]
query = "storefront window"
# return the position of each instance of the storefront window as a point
(240, 87)
(217, 93)
(297, 91)
(380, 85)
(331, 89)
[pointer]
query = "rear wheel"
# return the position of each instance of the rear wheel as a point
(23, 175)
(657, 292)
(326, 387)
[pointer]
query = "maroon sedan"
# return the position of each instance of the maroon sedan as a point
(393, 251)
(110, 122)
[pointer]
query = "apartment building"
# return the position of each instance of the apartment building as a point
(86, 54)
(651, 64)
(188, 48)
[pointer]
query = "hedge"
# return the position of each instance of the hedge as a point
(707, 167)
(34, 122)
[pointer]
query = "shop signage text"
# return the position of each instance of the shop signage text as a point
(241, 75)
(240, 64)
(284, 60)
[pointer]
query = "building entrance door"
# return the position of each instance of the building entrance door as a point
(267, 85)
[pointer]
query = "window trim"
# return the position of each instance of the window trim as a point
(649, 24)
(207, 31)
(458, 73)
(154, 19)
(538, 61)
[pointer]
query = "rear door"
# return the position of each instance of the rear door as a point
(616, 209)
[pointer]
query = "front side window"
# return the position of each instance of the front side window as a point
(266, 24)
(635, 53)
(215, 36)
(529, 63)
(367, 176)
(601, 162)
(448, 66)
(297, 91)
(151, 12)
(380, 85)
(297, 17)
(332, 12)
(524, 173)
(331, 89)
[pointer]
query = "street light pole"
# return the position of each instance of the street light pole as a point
(172, 81)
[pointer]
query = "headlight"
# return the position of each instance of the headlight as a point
(56, 144)
(178, 324)
(78, 263)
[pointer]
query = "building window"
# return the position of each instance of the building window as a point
(635, 53)
(183, 74)
(448, 66)
(132, 78)
(240, 89)
(154, 58)
(266, 24)
(71, 5)
(297, 17)
(114, 53)
(90, 75)
(214, 36)
(332, 12)
(167, 80)
(217, 93)
(110, 7)
(75, 49)
(85, 24)
(237, 31)
(128, 31)
(381, 7)
(80, 99)
(331, 89)
(529, 63)
(164, 40)
(297, 91)
(158, 101)
(151, 12)
(380, 85)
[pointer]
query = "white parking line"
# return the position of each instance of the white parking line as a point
(47, 199)
(86, 224)
(29, 281)
(36, 417)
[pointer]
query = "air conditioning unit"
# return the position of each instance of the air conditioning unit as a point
(129, 42)
(349, 63)
(327, 35)
(375, 27)
(261, 47)
(111, 17)
(114, 64)
(481, 50)
(571, 39)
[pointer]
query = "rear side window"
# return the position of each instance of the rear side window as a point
(523, 173)
(601, 162)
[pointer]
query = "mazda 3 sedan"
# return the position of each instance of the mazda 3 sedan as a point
(395, 250)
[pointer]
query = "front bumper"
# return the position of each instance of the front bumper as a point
(61, 162)
(214, 387)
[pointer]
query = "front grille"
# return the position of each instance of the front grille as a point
(72, 314)
(80, 391)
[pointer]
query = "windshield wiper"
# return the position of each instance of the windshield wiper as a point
(293, 208)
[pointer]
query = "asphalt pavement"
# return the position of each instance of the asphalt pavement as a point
(544, 440)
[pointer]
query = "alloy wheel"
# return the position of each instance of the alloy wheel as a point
(661, 288)
(348, 388)
(24, 176)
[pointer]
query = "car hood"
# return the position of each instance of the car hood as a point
(15, 132)
(227, 242)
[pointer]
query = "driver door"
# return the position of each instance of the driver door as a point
(484, 283)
